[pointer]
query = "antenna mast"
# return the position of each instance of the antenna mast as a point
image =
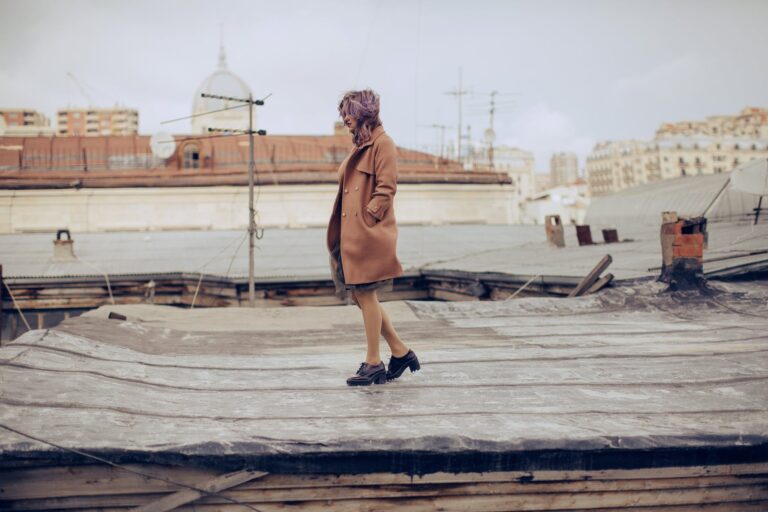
(458, 93)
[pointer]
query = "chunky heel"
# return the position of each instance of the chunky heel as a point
(397, 365)
(380, 379)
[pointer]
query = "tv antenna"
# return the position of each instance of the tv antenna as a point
(459, 92)
(253, 233)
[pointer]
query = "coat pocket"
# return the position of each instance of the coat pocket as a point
(368, 218)
(366, 170)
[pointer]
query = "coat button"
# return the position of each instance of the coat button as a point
(344, 214)
(357, 188)
(346, 191)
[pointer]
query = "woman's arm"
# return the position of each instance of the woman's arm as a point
(385, 174)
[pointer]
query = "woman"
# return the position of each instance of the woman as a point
(362, 234)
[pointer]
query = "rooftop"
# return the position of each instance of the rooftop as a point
(664, 379)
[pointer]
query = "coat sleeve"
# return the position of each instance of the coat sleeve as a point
(385, 173)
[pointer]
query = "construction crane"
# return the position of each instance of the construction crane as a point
(82, 89)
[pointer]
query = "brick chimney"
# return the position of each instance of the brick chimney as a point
(682, 251)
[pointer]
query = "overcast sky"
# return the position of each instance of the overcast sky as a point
(570, 72)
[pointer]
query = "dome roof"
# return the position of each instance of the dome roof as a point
(222, 82)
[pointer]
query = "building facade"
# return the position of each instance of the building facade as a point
(97, 122)
(24, 122)
(517, 163)
(49, 183)
(716, 145)
(563, 168)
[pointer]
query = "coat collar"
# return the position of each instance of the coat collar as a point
(375, 134)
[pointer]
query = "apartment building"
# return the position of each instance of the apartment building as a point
(24, 122)
(563, 168)
(97, 121)
(689, 148)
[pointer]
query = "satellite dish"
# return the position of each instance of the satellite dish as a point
(489, 135)
(162, 144)
(751, 177)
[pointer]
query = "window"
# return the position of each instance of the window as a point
(191, 156)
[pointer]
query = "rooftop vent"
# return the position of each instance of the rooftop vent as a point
(63, 249)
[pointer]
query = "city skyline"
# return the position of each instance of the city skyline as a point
(571, 74)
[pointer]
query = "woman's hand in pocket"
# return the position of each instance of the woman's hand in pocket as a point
(369, 219)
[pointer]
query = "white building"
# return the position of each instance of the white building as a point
(515, 162)
(222, 82)
(570, 202)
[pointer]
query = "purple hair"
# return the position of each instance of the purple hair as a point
(364, 107)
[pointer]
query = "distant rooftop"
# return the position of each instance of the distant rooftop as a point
(120, 161)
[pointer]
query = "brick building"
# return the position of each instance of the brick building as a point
(93, 122)
(23, 122)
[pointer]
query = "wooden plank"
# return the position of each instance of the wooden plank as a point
(482, 489)
(92, 480)
(590, 278)
(450, 296)
(600, 284)
(185, 496)
(298, 497)
(497, 506)
(536, 492)
(639, 500)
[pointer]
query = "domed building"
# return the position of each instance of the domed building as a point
(224, 83)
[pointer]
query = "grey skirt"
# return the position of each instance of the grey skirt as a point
(342, 288)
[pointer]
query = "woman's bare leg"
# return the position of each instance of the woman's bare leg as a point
(372, 319)
(396, 345)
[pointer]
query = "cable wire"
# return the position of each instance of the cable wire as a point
(16, 305)
(104, 274)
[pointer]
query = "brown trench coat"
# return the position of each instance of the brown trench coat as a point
(363, 218)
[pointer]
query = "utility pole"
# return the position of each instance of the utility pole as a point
(251, 170)
(458, 93)
(251, 211)
(491, 135)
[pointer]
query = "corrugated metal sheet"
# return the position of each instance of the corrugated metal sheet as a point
(689, 196)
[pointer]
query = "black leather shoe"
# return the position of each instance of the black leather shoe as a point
(369, 374)
(397, 365)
